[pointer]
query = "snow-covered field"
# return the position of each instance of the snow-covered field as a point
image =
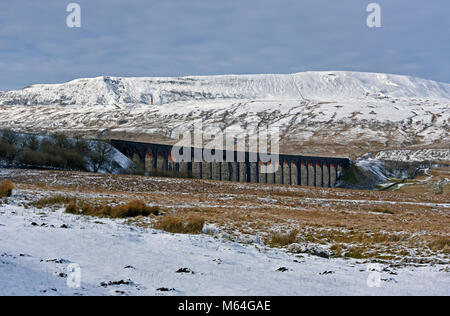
(317, 112)
(38, 245)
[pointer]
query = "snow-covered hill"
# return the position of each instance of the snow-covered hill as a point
(334, 113)
(309, 85)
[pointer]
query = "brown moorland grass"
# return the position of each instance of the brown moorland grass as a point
(440, 244)
(281, 240)
(51, 201)
(131, 209)
(178, 224)
(355, 253)
(367, 220)
(6, 189)
(72, 208)
(337, 249)
(86, 182)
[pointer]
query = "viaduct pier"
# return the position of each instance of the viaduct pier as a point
(290, 169)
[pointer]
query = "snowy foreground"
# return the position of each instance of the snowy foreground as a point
(36, 249)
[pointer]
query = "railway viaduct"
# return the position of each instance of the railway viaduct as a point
(292, 169)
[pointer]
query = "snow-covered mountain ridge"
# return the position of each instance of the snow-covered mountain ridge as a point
(323, 113)
(307, 85)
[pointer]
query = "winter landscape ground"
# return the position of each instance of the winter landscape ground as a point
(345, 238)
(205, 237)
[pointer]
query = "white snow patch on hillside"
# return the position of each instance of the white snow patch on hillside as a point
(335, 107)
(414, 155)
(310, 85)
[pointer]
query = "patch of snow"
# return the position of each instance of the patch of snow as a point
(414, 155)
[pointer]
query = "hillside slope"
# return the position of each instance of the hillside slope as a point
(321, 113)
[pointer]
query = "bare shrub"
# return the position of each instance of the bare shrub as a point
(100, 156)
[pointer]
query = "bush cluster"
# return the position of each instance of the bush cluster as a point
(55, 151)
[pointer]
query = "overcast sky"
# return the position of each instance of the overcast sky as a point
(203, 37)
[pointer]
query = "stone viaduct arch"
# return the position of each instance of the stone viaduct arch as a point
(292, 169)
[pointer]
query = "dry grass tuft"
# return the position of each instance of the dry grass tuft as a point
(337, 250)
(131, 209)
(6, 189)
(355, 252)
(72, 207)
(281, 240)
(177, 224)
(441, 244)
(53, 200)
(102, 210)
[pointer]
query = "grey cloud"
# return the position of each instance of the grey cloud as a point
(196, 37)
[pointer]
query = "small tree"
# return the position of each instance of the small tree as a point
(62, 141)
(9, 137)
(82, 147)
(7, 152)
(100, 156)
(31, 142)
(74, 160)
